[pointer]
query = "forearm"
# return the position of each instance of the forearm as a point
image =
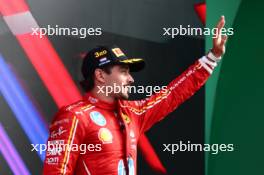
(179, 90)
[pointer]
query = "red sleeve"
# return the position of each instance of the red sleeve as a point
(155, 108)
(66, 129)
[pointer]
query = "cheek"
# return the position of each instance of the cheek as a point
(122, 79)
(115, 80)
(119, 79)
(109, 81)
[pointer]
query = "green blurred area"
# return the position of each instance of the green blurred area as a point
(235, 93)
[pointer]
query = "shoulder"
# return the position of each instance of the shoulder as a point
(69, 119)
(75, 110)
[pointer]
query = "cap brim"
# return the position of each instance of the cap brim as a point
(135, 64)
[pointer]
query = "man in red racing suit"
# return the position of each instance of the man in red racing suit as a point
(103, 136)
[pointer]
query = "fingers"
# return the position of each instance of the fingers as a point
(220, 38)
(223, 41)
(221, 23)
(219, 26)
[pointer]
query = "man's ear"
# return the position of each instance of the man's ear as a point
(99, 75)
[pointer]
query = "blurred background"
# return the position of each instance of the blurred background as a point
(37, 76)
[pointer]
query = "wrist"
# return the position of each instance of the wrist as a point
(212, 56)
(208, 64)
(216, 53)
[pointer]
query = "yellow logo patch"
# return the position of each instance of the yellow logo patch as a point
(105, 135)
(126, 118)
(99, 54)
(118, 52)
(131, 60)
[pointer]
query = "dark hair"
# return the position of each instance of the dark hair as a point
(88, 83)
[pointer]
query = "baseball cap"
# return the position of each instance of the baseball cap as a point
(106, 55)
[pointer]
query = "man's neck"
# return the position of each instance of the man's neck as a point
(102, 96)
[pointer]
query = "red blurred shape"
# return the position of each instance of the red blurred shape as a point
(10, 7)
(150, 155)
(201, 11)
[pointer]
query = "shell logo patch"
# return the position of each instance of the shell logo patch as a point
(98, 118)
(126, 118)
(105, 136)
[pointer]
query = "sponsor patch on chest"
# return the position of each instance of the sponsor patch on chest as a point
(98, 118)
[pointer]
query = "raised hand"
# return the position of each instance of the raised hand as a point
(219, 40)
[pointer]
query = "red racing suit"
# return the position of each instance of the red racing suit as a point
(109, 133)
